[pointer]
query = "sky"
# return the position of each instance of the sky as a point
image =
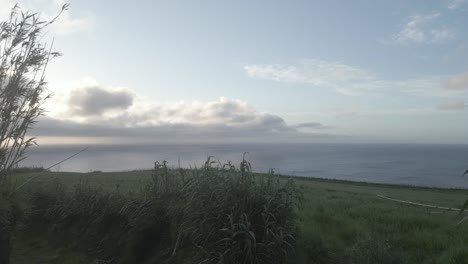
(364, 71)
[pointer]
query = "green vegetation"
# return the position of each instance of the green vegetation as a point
(337, 222)
(352, 225)
(215, 214)
(23, 61)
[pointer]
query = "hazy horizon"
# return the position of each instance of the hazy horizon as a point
(411, 164)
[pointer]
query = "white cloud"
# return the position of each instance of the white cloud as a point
(68, 22)
(456, 4)
(6, 7)
(316, 72)
(343, 78)
(224, 111)
(423, 29)
(349, 80)
(96, 104)
(92, 110)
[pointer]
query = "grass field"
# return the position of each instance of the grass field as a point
(339, 222)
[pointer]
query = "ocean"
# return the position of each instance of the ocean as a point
(418, 165)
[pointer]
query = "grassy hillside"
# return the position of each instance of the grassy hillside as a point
(339, 222)
(348, 220)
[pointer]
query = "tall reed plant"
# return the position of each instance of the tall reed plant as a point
(214, 214)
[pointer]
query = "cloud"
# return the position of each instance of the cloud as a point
(92, 110)
(456, 4)
(68, 128)
(224, 112)
(343, 78)
(222, 120)
(423, 29)
(452, 105)
(56, 129)
(68, 22)
(6, 7)
(317, 72)
(354, 81)
(90, 101)
(458, 81)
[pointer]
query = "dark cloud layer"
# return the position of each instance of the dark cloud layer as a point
(270, 130)
(311, 125)
(89, 101)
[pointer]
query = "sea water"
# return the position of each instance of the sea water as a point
(420, 165)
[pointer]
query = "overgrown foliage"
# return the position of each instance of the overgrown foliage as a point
(232, 216)
(339, 222)
(23, 61)
(215, 214)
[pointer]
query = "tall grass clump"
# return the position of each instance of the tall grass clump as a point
(230, 215)
(214, 214)
(23, 61)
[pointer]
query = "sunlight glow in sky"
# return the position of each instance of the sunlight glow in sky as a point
(257, 71)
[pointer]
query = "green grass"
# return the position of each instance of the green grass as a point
(29, 248)
(339, 222)
(219, 215)
(341, 215)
